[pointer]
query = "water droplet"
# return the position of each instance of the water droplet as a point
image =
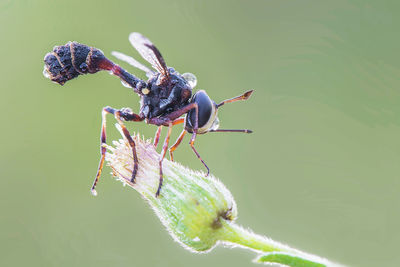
(94, 192)
(125, 84)
(215, 125)
(190, 78)
(46, 73)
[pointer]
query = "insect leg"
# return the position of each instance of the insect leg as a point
(244, 96)
(232, 131)
(178, 113)
(181, 111)
(164, 150)
(178, 121)
(197, 153)
(127, 116)
(191, 143)
(177, 143)
(157, 136)
(121, 114)
(173, 116)
(102, 147)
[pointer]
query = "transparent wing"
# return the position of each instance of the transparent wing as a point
(149, 52)
(133, 62)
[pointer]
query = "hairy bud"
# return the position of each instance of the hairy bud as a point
(198, 211)
(191, 206)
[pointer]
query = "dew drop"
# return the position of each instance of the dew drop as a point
(46, 73)
(125, 84)
(215, 125)
(190, 78)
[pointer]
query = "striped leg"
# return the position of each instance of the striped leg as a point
(177, 143)
(126, 115)
(197, 153)
(157, 136)
(164, 150)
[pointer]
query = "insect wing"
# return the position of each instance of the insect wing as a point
(133, 62)
(149, 52)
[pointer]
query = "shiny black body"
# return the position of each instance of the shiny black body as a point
(165, 95)
(68, 61)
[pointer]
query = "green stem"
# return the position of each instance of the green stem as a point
(270, 251)
(236, 234)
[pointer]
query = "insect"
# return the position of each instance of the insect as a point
(166, 98)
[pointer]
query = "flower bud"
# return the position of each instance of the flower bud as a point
(191, 206)
(198, 211)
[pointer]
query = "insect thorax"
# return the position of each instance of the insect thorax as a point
(163, 96)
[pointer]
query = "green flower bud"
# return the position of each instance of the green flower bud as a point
(198, 211)
(191, 206)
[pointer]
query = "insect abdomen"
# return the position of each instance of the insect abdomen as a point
(68, 61)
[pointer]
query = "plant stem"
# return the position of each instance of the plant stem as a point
(270, 250)
(236, 234)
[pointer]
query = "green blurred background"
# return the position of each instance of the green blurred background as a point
(320, 172)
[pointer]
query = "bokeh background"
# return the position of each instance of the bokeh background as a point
(320, 172)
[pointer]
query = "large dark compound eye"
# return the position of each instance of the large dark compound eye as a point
(207, 112)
